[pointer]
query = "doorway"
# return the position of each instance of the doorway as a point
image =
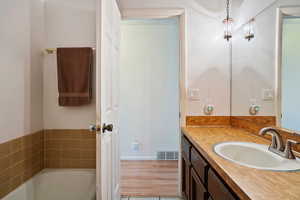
(290, 72)
(149, 107)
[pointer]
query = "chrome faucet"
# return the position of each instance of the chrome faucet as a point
(277, 143)
(288, 152)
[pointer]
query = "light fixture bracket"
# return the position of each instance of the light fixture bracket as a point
(228, 23)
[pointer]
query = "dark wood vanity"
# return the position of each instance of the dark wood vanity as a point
(199, 180)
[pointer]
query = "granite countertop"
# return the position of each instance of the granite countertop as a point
(247, 183)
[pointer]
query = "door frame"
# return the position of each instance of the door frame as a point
(99, 50)
(97, 94)
(161, 13)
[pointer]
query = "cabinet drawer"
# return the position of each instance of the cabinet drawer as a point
(198, 191)
(186, 148)
(199, 164)
(217, 189)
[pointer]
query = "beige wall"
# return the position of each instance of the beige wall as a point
(37, 37)
(29, 99)
(142, 82)
(254, 63)
(208, 54)
(69, 23)
(20, 71)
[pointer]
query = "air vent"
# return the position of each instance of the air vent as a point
(167, 155)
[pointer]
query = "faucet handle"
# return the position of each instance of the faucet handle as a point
(288, 152)
(274, 141)
(292, 141)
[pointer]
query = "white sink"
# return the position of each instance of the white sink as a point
(255, 156)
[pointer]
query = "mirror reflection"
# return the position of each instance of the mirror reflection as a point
(290, 72)
(263, 88)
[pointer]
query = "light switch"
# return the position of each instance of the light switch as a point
(267, 94)
(194, 94)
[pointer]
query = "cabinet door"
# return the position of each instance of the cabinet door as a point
(199, 165)
(185, 178)
(217, 189)
(186, 148)
(197, 190)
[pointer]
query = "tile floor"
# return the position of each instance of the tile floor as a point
(150, 198)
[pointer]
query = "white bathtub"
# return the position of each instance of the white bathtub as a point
(58, 184)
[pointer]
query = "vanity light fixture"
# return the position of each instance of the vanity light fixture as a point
(228, 22)
(249, 30)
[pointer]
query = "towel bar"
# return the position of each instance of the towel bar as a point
(53, 50)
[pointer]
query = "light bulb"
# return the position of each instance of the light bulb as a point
(228, 23)
(249, 30)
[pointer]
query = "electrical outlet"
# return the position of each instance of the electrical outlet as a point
(194, 94)
(135, 147)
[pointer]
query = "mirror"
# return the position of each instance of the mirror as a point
(264, 86)
(288, 69)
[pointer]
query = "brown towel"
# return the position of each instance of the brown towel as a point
(74, 71)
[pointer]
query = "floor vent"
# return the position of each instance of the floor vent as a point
(167, 155)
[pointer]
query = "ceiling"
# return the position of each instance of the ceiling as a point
(212, 5)
(218, 5)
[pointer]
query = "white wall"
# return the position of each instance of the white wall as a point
(20, 73)
(208, 54)
(149, 87)
(37, 45)
(69, 23)
(249, 9)
(25, 28)
(254, 63)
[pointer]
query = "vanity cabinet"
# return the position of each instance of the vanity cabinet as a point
(199, 179)
(197, 189)
(216, 187)
(199, 165)
(185, 178)
(186, 168)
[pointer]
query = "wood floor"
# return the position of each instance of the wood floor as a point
(149, 178)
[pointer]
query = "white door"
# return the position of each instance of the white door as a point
(107, 97)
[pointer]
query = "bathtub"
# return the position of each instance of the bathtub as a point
(58, 184)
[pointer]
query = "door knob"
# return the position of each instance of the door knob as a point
(94, 128)
(108, 127)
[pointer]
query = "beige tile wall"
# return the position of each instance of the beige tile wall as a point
(20, 159)
(70, 149)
